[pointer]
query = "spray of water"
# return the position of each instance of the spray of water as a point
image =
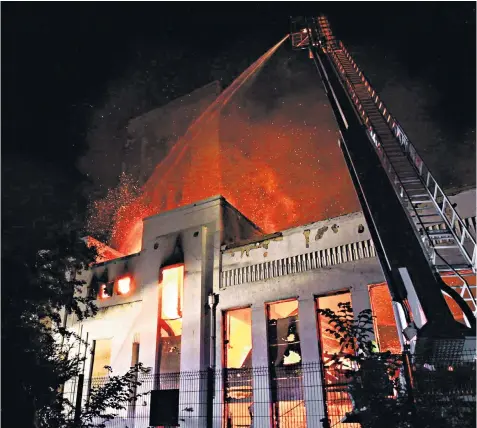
(166, 176)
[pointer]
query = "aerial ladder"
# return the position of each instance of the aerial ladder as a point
(419, 236)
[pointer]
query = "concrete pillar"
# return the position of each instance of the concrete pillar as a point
(360, 298)
(360, 301)
(198, 255)
(311, 363)
(262, 403)
(148, 280)
(218, 401)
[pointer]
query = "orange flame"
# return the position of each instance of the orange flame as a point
(279, 173)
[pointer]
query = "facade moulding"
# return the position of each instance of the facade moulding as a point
(298, 263)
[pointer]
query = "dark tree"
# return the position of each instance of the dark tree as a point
(43, 254)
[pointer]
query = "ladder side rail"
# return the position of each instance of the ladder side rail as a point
(393, 176)
(430, 183)
(397, 184)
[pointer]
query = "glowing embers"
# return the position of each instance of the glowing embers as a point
(172, 283)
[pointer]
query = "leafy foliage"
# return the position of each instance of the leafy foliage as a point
(375, 385)
(104, 401)
(40, 354)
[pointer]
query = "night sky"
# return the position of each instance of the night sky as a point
(61, 62)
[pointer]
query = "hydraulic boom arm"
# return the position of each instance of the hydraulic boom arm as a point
(386, 182)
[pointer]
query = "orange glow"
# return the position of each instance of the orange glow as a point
(329, 343)
(124, 285)
(172, 297)
(105, 252)
(384, 323)
(238, 338)
(456, 283)
(103, 293)
(281, 171)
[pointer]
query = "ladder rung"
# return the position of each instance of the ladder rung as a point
(422, 201)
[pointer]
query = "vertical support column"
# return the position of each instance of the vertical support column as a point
(262, 400)
(218, 403)
(360, 298)
(311, 363)
(195, 334)
(360, 301)
(148, 278)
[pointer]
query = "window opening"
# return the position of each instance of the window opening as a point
(237, 364)
(335, 388)
(286, 377)
(170, 324)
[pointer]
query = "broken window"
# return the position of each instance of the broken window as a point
(284, 351)
(170, 322)
(238, 363)
(337, 398)
(283, 336)
(101, 358)
(329, 344)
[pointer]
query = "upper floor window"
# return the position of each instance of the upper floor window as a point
(122, 286)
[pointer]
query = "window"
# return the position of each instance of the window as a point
(121, 286)
(238, 363)
(284, 351)
(283, 336)
(334, 383)
(172, 283)
(329, 344)
(170, 322)
(101, 358)
(238, 338)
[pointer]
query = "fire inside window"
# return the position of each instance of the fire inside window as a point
(106, 290)
(283, 335)
(172, 281)
(124, 285)
(121, 286)
(172, 297)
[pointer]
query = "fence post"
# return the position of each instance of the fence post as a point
(408, 378)
(79, 396)
(210, 396)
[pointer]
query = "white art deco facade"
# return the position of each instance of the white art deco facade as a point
(209, 291)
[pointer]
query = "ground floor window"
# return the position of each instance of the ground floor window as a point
(101, 358)
(284, 351)
(238, 379)
(337, 399)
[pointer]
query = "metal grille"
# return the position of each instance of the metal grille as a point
(443, 391)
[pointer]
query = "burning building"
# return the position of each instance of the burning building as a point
(210, 292)
(219, 295)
